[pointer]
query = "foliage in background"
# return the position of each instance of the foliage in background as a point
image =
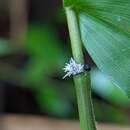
(107, 90)
(105, 112)
(5, 47)
(45, 50)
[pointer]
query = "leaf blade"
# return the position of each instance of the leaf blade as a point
(107, 47)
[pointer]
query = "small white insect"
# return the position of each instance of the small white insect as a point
(73, 68)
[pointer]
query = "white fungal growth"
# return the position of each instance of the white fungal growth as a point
(72, 68)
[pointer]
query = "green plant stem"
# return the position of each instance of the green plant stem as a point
(82, 81)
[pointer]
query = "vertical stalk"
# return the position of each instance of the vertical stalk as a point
(18, 21)
(82, 81)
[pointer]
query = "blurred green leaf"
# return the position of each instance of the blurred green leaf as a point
(105, 33)
(108, 90)
(42, 42)
(107, 113)
(51, 101)
(5, 47)
(44, 48)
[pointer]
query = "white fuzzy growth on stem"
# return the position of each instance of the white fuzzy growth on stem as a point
(73, 68)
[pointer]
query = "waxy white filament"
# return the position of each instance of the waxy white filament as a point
(73, 68)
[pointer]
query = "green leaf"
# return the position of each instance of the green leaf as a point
(105, 32)
(44, 48)
(50, 100)
(110, 49)
(107, 90)
(5, 47)
(113, 12)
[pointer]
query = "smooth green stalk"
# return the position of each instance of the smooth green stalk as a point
(82, 81)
